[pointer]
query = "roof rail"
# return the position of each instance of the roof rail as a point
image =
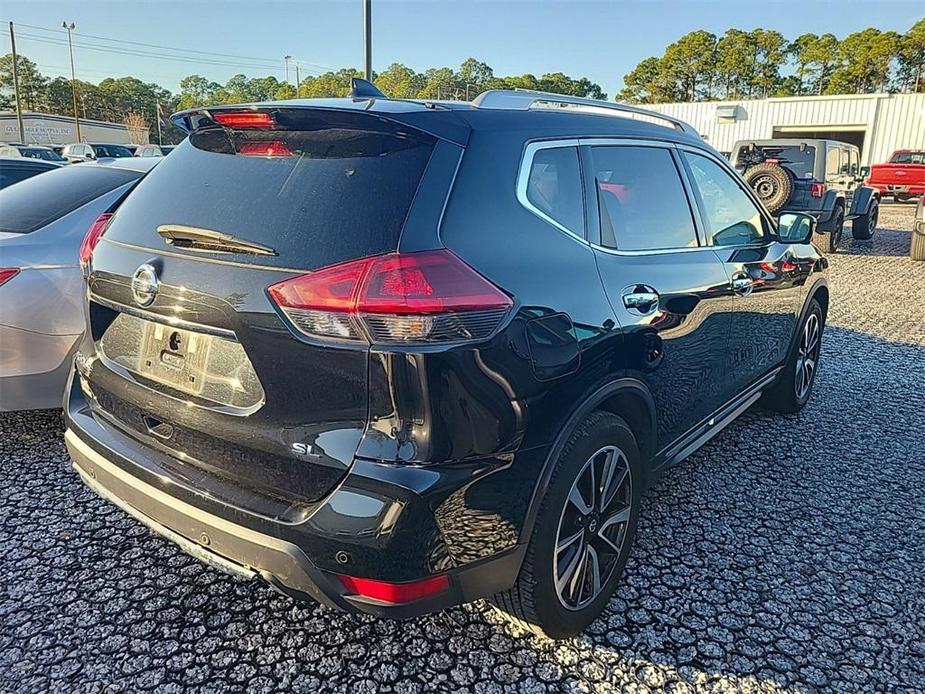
(526, 99)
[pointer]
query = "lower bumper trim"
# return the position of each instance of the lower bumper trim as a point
(228, 546)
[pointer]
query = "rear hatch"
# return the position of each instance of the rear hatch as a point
(194, 358)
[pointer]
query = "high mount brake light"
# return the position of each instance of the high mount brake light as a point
(7, 273)
(423, 297)
(270, 149)
(244, 119)
(92, 238)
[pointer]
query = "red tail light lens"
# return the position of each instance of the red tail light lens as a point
(7, 273)
(430, 296)
(396, 593)
(274, 148)
(244, 119)
(92, 237)
(817, 190)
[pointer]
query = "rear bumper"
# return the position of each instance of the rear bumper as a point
(34, 368)
(899, 188)
(344, 535)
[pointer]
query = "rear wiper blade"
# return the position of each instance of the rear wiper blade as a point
(209, 241)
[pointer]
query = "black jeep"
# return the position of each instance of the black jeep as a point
(818, 177)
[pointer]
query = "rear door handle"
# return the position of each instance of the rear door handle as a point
(742, 284)
(640, 299)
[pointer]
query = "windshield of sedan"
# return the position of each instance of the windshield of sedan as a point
(116, 151)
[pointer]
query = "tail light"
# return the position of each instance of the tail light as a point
(396, 593)
(7, 273)
(817, 190)
(92, 237)
(424, 297)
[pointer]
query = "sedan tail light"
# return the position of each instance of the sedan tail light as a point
(424, 297)
(7, 273)
(92, 237)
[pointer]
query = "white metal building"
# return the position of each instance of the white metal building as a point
(49, 129)
(877, 123)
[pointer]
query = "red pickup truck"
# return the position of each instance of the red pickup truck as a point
(903, 176)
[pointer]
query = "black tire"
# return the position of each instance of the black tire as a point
(900, 197)
(772, 183)
(786, 395)
(827, 241)
(917, 247)
(863, 227)
(533, 602)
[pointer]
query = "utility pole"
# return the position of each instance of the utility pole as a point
(368, 37)
(157, 117)
(298, 83)
(70, 47)
(22, 130)
(287, 58)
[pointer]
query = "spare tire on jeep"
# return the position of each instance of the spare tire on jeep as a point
(772, 183)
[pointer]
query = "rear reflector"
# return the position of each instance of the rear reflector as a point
(244, 119)
(7, 273)
(430, 296)
(396, 592)
(92, 238)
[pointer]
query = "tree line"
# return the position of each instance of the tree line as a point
(701, 66)
(697, 67)
(113, 99)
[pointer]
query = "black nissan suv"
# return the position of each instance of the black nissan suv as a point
(395, 356)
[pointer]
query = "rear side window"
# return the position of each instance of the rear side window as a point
(33, 203)
(833, 160)
(338, 189)
(554, 187)
(643, 205)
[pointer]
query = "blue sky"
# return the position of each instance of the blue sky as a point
(600, 40)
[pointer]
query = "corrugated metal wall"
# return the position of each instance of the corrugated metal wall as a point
(890, 121)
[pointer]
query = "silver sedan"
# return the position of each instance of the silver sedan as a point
(42, 223)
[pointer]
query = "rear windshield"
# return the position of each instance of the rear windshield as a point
(37, 201)
(800, 162)
(908, 158)
(37, 153)
(340, 187)
(116, 151)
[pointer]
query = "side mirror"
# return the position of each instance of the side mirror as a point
(796, 227)
(865, 171)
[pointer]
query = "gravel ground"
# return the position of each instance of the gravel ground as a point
(788, 555)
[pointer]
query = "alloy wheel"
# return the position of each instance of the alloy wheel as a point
(807, 356)
(593, 527)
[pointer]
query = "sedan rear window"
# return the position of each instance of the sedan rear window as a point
(33, 203)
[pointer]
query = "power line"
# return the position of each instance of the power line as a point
(272, 62)
(145, 54)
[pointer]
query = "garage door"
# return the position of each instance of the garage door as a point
(851, 135)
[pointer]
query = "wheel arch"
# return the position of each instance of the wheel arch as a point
(626, 397)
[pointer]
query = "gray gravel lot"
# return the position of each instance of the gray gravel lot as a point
(789, 554)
